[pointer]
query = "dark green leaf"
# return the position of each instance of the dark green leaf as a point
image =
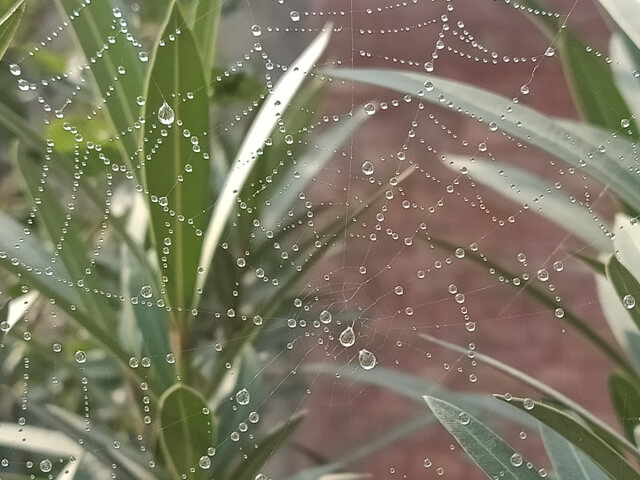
(626, 286)
(176, 176)
(206, 30)
(625, 397)
(187, 431)
(569, 462)
(582, 437)
(491, 453)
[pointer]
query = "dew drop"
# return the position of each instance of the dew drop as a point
(166, 115)
(347, 337)
(367, 168)
(243, 397)
(367, 359)
(629, 302)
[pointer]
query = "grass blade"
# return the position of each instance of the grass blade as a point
(175, 173)
(626, 286)
(585, 439)
(491, 453)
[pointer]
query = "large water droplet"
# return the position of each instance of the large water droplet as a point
(80, 356)
(629, 302)
(146, 291)
(166, 115)
(204, 462)
(15, 70)
(367, 168)
(347, 337)
(294, 16)
(367, 359)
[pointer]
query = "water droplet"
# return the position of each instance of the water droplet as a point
(204, 462)
(516, 460)
(146, 291)
(367, 359)
(543, 275)
(143, 57)
(46, 465)
(295, 16)
(325, 317)
(166, 115)
(370, 109)
(243, 397)
(15, 70)
(347, 337)
(629, 302)
(256, 31)
(464, 418)
(368, 168)
(80, 356)
(527, 403)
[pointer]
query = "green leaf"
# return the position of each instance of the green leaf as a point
(522, 122)
(9, 21)
(525, 188)
(256, 458)
(590, 77)
(176, 176)
(626, 286)
(625, 397)
(582, 437)
(93, 25)
(604, 430)
(625, 60)
(206, 30)
(489, 451)
(259, 132)
(187, 430)
(569, 463)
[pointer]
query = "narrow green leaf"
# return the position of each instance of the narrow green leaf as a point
(569, 462)
(249, 467)
(597, 425)
(175, 173)
(491, 453)
(626, 286)
(9, 22)
(625, 60)
(582, 437)
(541, 296)
(258, 133)
(522, 122)
(589, 76)
(206, 30)
(187, 431)
(625, 397)
(542, 198)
